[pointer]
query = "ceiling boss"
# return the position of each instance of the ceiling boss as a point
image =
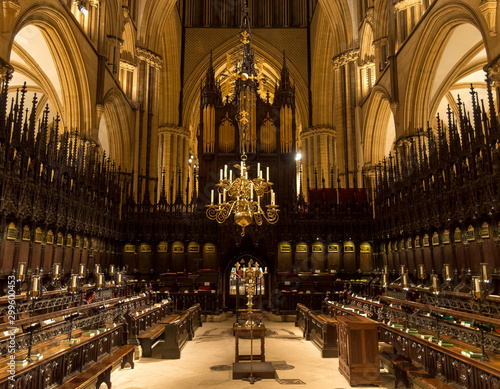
(244, 197)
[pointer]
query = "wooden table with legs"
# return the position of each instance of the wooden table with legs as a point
(247, 332)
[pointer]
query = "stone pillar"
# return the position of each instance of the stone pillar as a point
(174, 155)
(319, 153)
(149, 65)
(345, 68)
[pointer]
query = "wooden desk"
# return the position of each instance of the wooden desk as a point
(255, 332)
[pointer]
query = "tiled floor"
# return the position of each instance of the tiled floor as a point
(214, 345)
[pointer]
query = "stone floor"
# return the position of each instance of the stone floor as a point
(213, 346)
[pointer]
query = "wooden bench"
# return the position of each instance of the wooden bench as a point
(149, 338)
(403, 368)
(322, 332)
(177, 334)
(431, 383)
(302, 315)
(102, 369)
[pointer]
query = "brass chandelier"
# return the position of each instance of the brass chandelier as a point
(243, 196)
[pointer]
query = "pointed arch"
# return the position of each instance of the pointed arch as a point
(379, 131)
(440, 25)
(63, 45)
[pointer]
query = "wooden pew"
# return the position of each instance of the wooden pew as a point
(102, 369)
(439, 363)
(301, 318)
(62, 362)
(323, 333)
(177, 333)
(139, 321)
(149, 338)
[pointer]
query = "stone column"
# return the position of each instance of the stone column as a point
(174, 146)
(345, 68)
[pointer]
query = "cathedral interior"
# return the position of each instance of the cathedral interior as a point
(168, 164)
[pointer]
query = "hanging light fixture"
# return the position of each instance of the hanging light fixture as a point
(243, 197)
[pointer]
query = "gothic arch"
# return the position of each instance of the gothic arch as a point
(322, 52)
(55, 28)
(155, 17)
(118, 129)
(377, 126)
(339, 15)
(170, 75)
(273, 57)
(422, 72)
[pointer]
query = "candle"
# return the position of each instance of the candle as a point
(97, 269)
(220, 197)
(384, 279)
(258, 201)
(221, 174)
(82, 270)
(477, 287)
(212, 198)
(230, 175)
(225, 172)
(272, 197)
(405, 281)
(402, 269)
(251, 191)
(447, 271)
(242, 168)
(57, 266)
(224, 195)
(34, 286)
(119, 279)
(21, 271)
(100, 280)
(267, 173)
(421, 271)
(484, 271)
(434, 283)
(111, 270)
(265, 270)
(258, 169)
(73, 282)
(386, 269)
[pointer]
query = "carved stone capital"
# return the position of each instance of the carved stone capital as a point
(493, 69)
(6, 71)
(11, 10)
(400, 5)
(174, 130)
(317, 131)
(152, 59)
(489, 10)
(127, 65)
(380, 42)
(345, 57)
